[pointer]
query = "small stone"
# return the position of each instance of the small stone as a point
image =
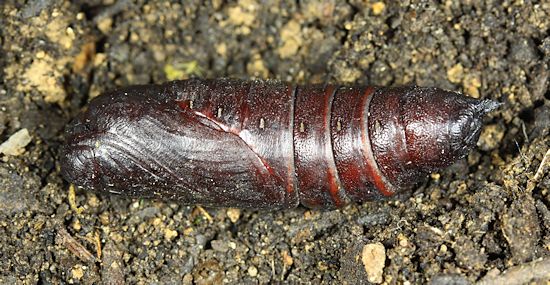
(188, 231)
(374, 258)
(93, 201)
(456, 73)
(322, 265)
(545, 46)
(257, 67)
(521, 229)
(188, 278)
(105, 25)
(134, 37)
(16, 143)
(523, 50)
(158, 53)
(291, 39)
(157, 222)
(77, 272)
(239, 16)
(219, 245)
(234, 214)
(378, 8)
(252, 271)
(490, 137)
(170, 234)
(351, 74)
(76, 225)
(44, 76)
(40, 54)
(403, 241)
(471, 85)
(287, 259)
(104, 218)
(221, 49)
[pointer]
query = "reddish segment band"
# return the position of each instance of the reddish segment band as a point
(371, 165)
(318, 179)
(357, 167)
(348, 111)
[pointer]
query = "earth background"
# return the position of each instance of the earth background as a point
(482, 219)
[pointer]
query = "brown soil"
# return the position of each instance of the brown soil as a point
(470, 223)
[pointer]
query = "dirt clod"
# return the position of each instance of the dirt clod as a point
(373, 257)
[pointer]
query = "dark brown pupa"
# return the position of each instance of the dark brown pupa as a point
(267, 144)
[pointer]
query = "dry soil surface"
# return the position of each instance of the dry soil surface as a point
(485, 219)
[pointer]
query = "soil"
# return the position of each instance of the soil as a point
(482, 218)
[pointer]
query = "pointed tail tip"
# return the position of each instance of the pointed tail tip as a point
(487, 106)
